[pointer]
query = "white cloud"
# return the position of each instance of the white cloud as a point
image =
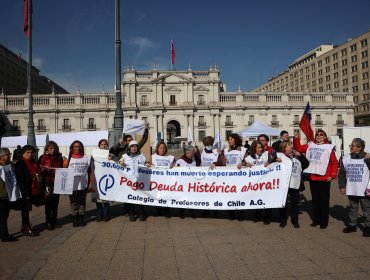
(143, 45)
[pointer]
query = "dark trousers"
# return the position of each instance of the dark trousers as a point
(103, 209)
(4, 214)
(294, 207)
(78, 202)
(320, 192)
(51, 208)
(135, 209)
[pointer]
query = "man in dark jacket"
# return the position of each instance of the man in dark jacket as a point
(284, 136)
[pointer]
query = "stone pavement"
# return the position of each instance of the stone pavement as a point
(201, 248)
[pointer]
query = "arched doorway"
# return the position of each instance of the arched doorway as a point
(173, 130)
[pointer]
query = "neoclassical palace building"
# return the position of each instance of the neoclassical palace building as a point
(173, 101)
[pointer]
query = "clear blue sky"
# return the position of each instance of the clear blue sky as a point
(73, 40)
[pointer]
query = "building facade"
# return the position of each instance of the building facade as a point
(330, 70)
(173, 101)
(13, 76)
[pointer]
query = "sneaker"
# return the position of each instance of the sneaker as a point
(132, 218)
(350, 229)
(142, 218)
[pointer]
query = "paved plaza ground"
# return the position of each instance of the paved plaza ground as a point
(201, 248)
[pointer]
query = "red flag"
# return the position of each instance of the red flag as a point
(19, 57)
(305, 124)
(26, 28)
(172, 53)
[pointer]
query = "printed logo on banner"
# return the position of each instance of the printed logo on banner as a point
(105, 183)
(64, 180)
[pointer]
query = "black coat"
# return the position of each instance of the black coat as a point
(24, 179)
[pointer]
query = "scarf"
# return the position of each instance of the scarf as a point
(33, 170)
(186, 159)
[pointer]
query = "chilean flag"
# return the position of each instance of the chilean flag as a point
(172, 53)
(305, 124)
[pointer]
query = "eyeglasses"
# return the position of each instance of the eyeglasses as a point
(353, 146)
(76, 146)
(320, 134)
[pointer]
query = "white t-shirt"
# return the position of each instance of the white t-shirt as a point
(181, 162)
(80, 167)
(162, 161)
(259, 160)
(357, 175)
(234, 157)
(209, 158)
(318, 156)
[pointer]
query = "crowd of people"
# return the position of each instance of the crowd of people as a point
(26, 182)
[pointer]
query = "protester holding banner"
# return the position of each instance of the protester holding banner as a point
(209, 155)
(80, 163)
(188, 159)
(257, 157)
(28, 179)
(122, 147)
(132, 159)
(299, 162)
(9, 191)
(322, 170)
(353, 180)
(47, 163)
(102, 206)
(235, 155)
(161, 159)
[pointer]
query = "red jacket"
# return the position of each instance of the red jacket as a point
(332, 170)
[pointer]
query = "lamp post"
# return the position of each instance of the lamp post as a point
(31, 138)
(118, 114)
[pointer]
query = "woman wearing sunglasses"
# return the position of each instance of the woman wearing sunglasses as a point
(322, 169)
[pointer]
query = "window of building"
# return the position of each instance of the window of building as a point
(336, 75)
(321, 89)
(365, 75)
(354, 79)
(327, 60)
(354, 68)
(66, 124)
(364, 43)
(228, 119)
(355, 99)
(313, 75)
(251, 119)
(354, 58)
(296, 119)
(364, 54)
(327, 78)
(364, 64)
(307, 77)
(201, 120)
(335, 56)
(320, 72)
(336, 84)
(335, 65)
(320, 81)
(365, 86)
(201, 100)
(319, 63)
(365, 97)
(328, 87)
(144, 100)
(327, 69)
(41, 124)
(344, 82)
(313, 66)
(355, 89)
(344, 52)
(318, 117)
(173, 100)
(201, 135)
(344, 72)
(16, 124)
(353, 48)
(344, 62)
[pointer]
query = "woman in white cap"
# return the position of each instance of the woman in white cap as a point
(132, 159)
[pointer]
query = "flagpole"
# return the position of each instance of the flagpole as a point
(118, 115)
(31, 138)
(171, 53)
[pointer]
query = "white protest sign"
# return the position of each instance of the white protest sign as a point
(133, 126)
(63, 181)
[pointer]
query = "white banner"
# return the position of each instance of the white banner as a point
(133, 126)
(63, 182)
(196, 187)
